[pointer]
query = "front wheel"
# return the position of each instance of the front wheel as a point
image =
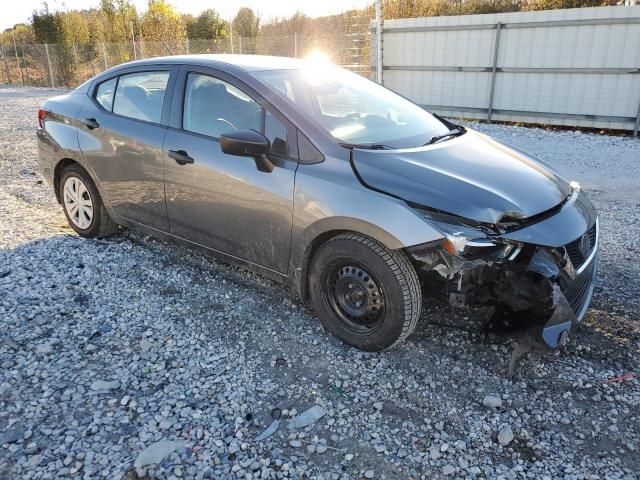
(365, 294)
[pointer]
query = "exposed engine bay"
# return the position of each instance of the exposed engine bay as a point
(533, 284)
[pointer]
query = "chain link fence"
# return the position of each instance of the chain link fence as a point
(62, 65)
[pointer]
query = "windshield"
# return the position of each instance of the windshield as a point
(352, 109)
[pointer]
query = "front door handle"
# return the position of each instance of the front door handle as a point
(180, 156)
(91, 123)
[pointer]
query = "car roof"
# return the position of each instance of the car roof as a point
(249, 63)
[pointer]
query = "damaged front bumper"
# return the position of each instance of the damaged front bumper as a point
(549, 286)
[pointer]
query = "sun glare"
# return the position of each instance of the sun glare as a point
(317, 57)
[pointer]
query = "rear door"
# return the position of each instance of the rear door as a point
(122, 137)
(223, 201)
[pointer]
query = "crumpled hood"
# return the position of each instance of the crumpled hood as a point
(472, 176)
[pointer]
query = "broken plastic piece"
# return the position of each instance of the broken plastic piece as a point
(555, 330)
(156, 452)
(270, 430)
(307, 417)
(621, 378)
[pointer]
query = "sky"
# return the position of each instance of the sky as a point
(19, 11)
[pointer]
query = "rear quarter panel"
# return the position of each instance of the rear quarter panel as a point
(58, 138)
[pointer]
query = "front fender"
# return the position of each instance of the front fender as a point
(329, 199)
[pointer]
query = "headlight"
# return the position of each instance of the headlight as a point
(467, 241)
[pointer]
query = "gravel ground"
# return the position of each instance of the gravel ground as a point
(130, 357)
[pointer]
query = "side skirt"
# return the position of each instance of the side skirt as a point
(224, 257)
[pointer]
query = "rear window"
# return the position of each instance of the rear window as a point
(104, 93)
(141, 95)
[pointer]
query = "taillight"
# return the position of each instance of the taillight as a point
(41, 114)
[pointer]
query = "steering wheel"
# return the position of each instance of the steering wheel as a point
(353, 116)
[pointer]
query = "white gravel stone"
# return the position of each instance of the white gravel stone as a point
(448, 469)
(505, 436)
(492, 401)
(105, 385)
(44, 348)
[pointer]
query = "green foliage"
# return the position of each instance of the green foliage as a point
(118, 18)
(46, 25)
(246, 23)
(297, 23)
(418, 8)
(161, 22)
(434, 8)
(558, 4)
(208, 26)
(23, 33)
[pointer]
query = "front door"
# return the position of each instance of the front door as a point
(122, 140)
(223, 201)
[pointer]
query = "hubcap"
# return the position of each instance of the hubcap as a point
(77, 202)
(356, 298)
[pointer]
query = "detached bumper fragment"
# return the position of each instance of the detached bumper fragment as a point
(555, 331)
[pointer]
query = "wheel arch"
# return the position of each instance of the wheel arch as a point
(57, 174)
(322, 231)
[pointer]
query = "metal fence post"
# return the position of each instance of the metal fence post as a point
(186, 43)
(15, 48)
(104, 55)
(240, 44)
(46, 49)
(494, 69)
(637, 126)
(295, 44)
(133, 41)
(75, 61)
(379, 66)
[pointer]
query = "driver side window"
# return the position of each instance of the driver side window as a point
(213, 107)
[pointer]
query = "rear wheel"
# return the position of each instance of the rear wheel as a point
(83, 205)
(365, 294)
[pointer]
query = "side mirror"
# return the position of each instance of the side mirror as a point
(244, 143)
(248, 143)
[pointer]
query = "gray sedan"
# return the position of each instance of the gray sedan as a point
(360, 200)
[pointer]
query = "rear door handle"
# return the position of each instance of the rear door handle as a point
(91, 123)
(180, 156)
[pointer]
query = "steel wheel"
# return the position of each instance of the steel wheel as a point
(77, 202)
(355, 297)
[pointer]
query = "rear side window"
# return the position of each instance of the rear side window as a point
(141, 95)
(104, 93)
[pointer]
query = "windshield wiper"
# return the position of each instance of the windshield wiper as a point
(368, 146)
(458, 130)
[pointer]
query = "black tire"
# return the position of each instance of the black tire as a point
(101, 224)
(365, 294)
